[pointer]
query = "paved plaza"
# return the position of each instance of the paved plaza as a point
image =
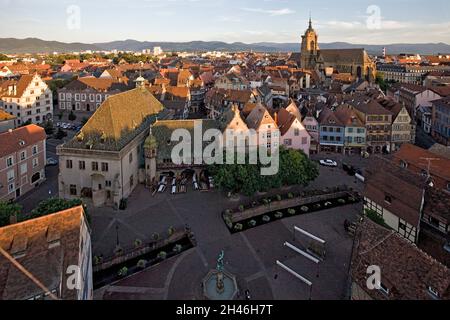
(251, 255)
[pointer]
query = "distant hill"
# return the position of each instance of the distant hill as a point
(33, 45)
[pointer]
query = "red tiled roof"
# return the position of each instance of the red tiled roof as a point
(10, 142)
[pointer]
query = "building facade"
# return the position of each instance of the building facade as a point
(29, 99)
(440, 119)
(103, 162)
(22, 161)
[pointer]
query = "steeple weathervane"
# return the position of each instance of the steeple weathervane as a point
(310, 21)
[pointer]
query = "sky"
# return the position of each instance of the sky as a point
(249, 21)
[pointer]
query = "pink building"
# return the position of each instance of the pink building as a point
(22, 161)
(293, 134)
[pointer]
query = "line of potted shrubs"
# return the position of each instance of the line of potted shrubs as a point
(280, 214)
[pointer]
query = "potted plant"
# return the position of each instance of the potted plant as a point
(279, 215)
(341, 201)
(290, 195)
(137, 243)
(162, 255)
(266, 218)
(252, 223)
(123, 272)
(98, 260)
(278, 197)
(155, 236)
(141, 264)
(177, 248)
(291, 211)
(238, 227)
(171, 231)
(118, 251)
(265, 201)
(241, 208)
(304, 208)
(228, 222)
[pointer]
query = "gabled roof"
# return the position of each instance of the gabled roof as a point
(347, 115)
(328, 118)
(285, 120)
(259, 116)
(21, 85)
(20, 138)
(294, 110)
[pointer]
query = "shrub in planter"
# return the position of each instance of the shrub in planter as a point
(304, 208)
(123, 272)
(317, 206)
(118, 251)
(278, 197)
(252, 223)
(291, 211)
(290, 195)
(141, 264)
(279, 215)
(238, 227)
(155, 236)
(266, 201)
(171, 231)
(241, 208)
(341, 201)
(228, 222)
(352, 199)
(137, 243)
(177, 248)
(266, 218)
(227, 212)
(162, 255)
(97, 260)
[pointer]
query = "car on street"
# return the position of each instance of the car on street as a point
(328, 163)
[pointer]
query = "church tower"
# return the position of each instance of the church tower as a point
(310, 48)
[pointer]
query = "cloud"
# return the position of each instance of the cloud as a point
(273, 13)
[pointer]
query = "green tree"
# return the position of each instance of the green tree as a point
(53, 205)
(295, 168)
(48, 127)
(7, 210)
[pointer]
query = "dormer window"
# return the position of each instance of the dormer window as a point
(388, 199)
(403, 164)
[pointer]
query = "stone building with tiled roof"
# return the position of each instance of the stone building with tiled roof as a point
(104, 161)
(55, 250)
(85, 95)
(7, 121)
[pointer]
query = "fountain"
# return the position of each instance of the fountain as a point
(220, 284)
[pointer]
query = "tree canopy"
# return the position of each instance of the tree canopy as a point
(7, 210)
(295, 168)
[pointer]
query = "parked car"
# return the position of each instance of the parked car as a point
(174, 189)
(52, 162)
(328, 163)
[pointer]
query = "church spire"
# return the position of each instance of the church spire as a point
(310, 21)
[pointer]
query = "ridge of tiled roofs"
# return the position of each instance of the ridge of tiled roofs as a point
(409, 270)
(97, 83)
(5, 115)
(22, 84)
